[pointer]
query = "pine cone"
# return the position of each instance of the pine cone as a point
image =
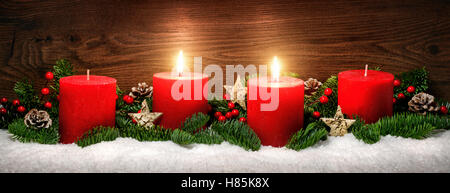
(37, 119)
(311, 86)
(142, 90)
(422, 103)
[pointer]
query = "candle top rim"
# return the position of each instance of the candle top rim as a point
(184, 75)
(371, 75)
(82, 80)
(284, 81)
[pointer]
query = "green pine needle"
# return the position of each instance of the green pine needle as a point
(194, 123)
(304, 138)
(181, 137)
(408, 125)
(24, 134)
(97, 135)
(208, 136)
(237, 133)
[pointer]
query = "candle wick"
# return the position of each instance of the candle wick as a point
(365, 72)
(87, 74)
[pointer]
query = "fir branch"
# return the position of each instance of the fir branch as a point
(24, 134)
(237, 133)
(307, 137)
(97, 135)
(181, 137)
(26, 94)
(408, 125)
(194, 123)
(207, 136)
(366, 133)
(140, 133)
(62, 69)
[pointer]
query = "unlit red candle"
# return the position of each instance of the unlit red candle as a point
(85, 104)
(275, 127)
(369, 97)
(176, 110)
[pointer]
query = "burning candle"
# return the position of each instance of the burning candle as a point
(85, 102)
(179, 95)
(274, 126)
(366, 93)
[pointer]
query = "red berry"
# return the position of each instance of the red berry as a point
(16, 102)
(45, 91)
(134, 121)
(243, 119)
(323, 99)
(401, 96)
(3, 111)
(49, 76)
(316, 114)
(228, 115)
(127, 99)
(21, 109)
(328, 91)
(221, 118)
(444, 110)
(397, 83)
(4, 100)
(394, 100)
(48, 105)
(231, 105)
(226, 97)
(140, 110)
(57, 97)
(217, 114)
(235, 112)
(411, 89)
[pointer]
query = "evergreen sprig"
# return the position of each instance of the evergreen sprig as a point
(43, 135)
(208, 136)
(304, 138)
(408, 125)
(97, 135)
(194, 123)
(237, 133)
(366, 133)
(62, 69)
(27, 95)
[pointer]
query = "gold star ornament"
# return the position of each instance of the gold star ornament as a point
(237, 92)
(338, 124)
(145, 118)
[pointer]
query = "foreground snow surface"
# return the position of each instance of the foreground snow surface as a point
(337, 154)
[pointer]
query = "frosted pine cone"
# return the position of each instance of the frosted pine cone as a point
(37, 119)
(311, 86)
(422, 103)
(142, 90)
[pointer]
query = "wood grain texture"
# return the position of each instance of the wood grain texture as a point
(131, 40)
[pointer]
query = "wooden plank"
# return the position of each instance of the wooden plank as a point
(132, 40)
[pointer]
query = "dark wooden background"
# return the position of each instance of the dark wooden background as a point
(131, 40)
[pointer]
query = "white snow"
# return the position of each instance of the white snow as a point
(337, 154)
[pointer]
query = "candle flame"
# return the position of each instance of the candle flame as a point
(180, 63)
(276, 68)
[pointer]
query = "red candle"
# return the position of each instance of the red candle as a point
(369, 97)
(174, 108)
(84, 104)
(275, 127)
